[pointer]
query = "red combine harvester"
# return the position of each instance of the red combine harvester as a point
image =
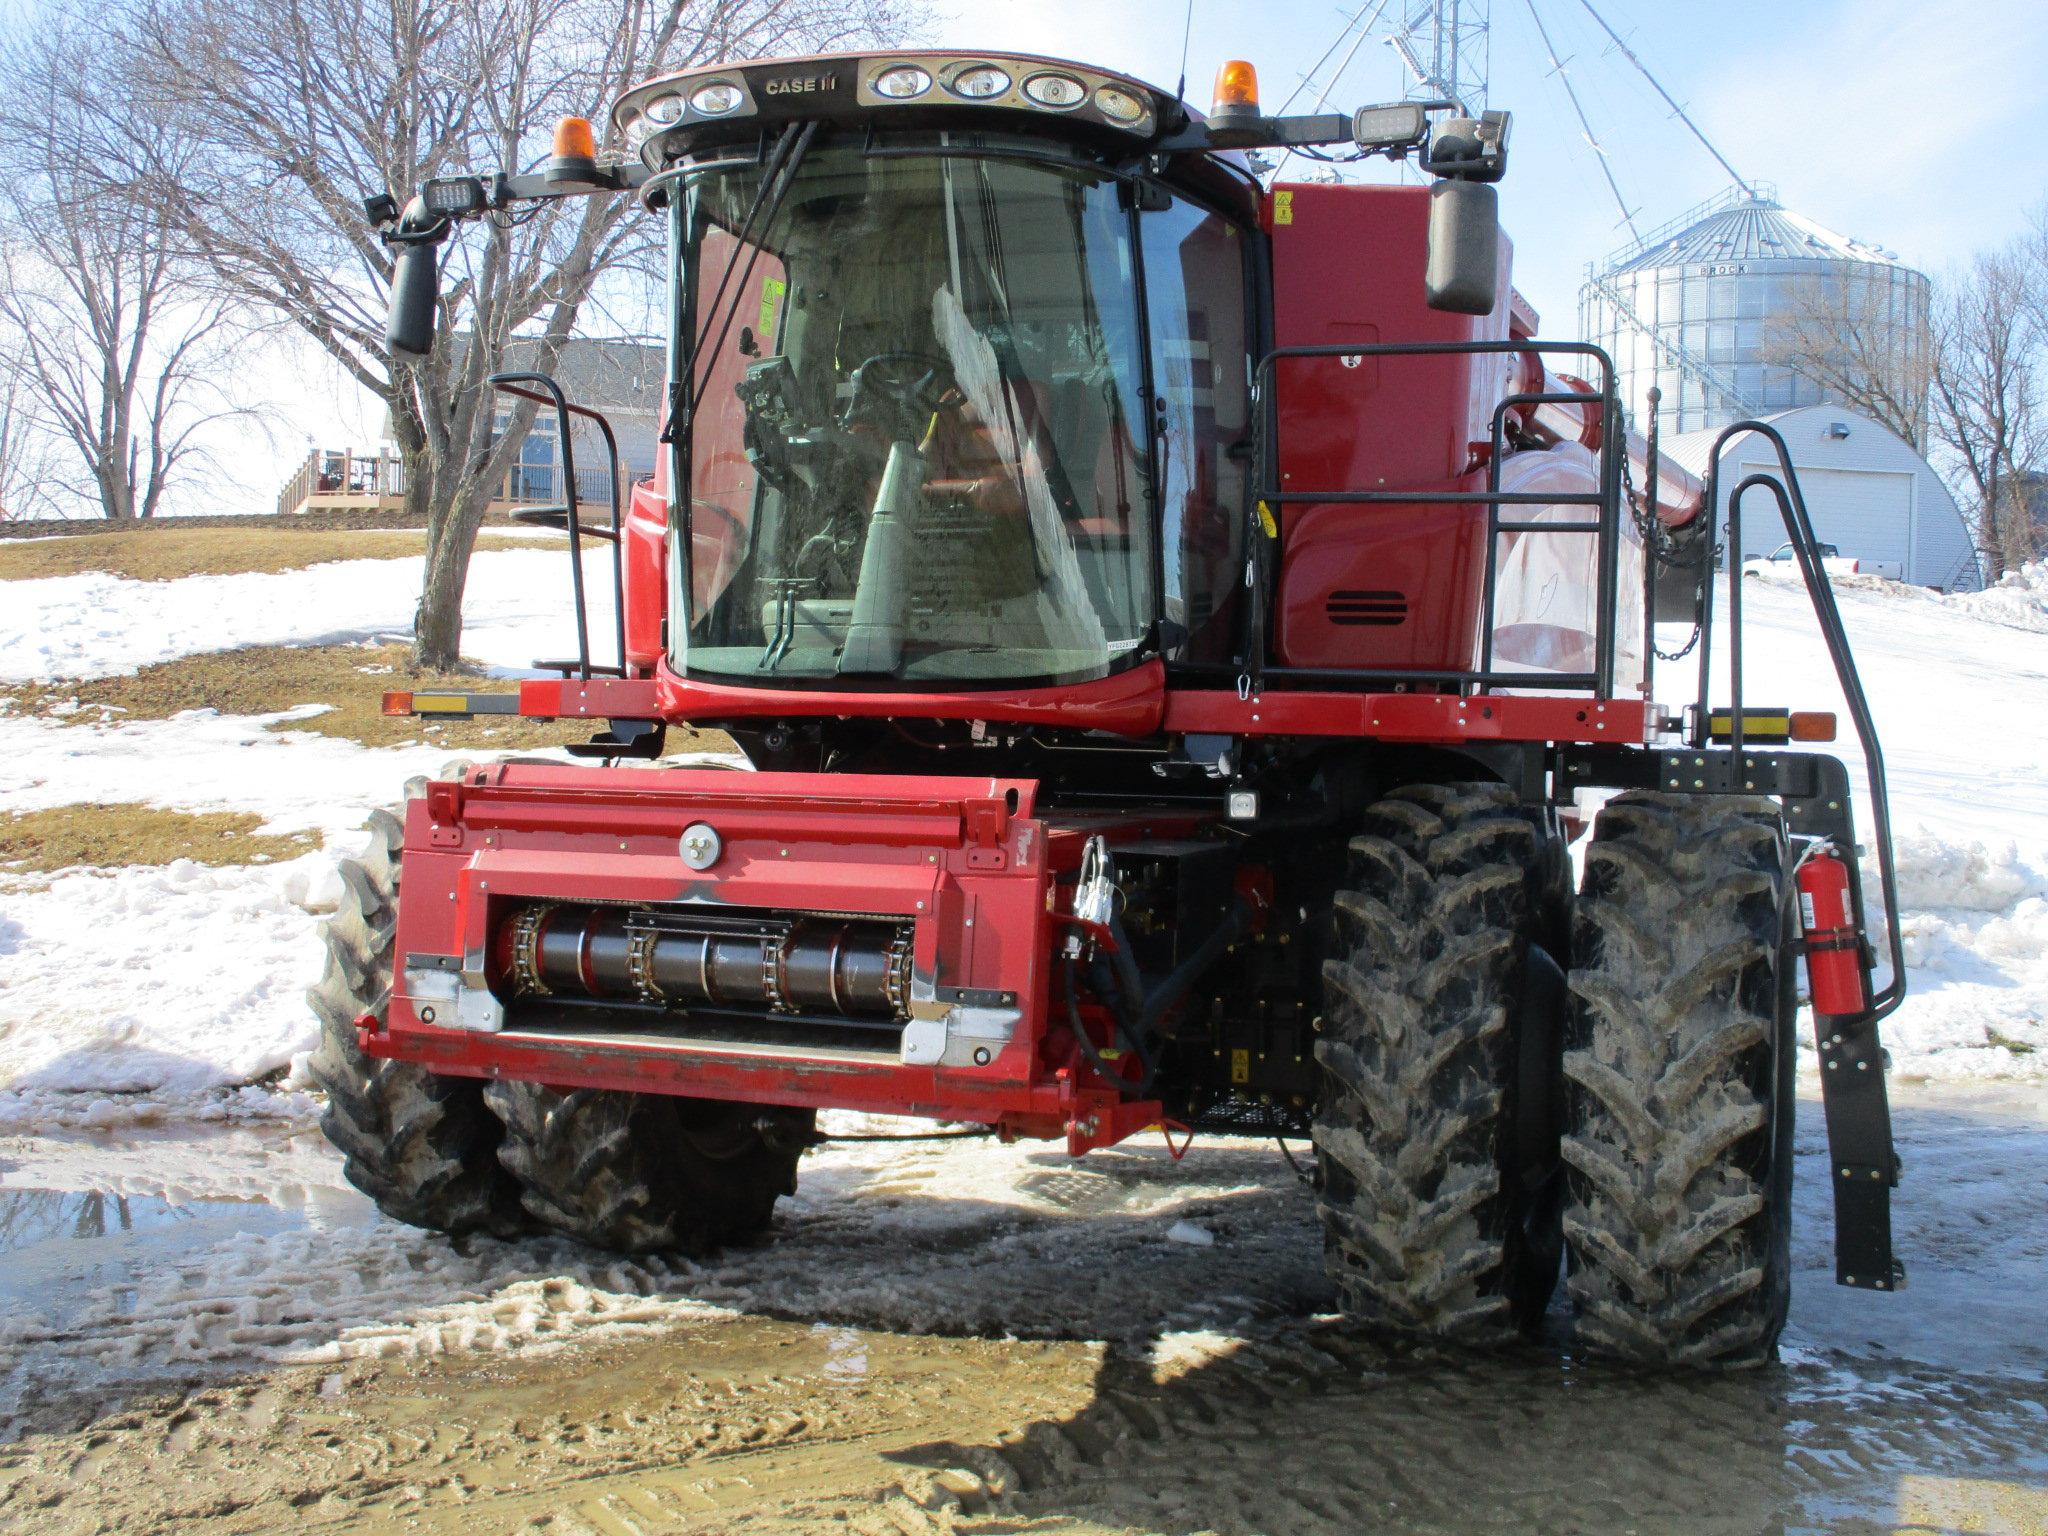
(1177, 625)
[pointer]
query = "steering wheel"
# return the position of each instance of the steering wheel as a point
(899, 391)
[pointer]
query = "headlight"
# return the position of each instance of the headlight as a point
(716, 99)
(454, 197)
(1056, 90)
(980, 82)
(1120, 106)
(902, 82)
(663, 109)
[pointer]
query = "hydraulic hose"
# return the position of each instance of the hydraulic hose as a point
(1118, 983)
(1162, 998)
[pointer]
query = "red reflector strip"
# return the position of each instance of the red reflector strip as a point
(397, 703)
(1813, 725)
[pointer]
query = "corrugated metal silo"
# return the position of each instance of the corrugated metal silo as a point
(1700, 307)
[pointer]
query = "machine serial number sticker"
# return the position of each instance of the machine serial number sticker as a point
(1283, 207)
(1240, 1066)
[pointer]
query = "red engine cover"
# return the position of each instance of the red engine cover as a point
(1386, 584)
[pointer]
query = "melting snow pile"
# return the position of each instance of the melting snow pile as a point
(167, 982)
(1975, 927)
(2019, 598)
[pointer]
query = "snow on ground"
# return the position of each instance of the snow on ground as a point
(161, 981)
(136, 1003)
(95, 625)
(2019, 598)
(200, 760)
(1961, 707)
(167, 988)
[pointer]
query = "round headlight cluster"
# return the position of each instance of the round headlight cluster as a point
(716, 99)
(980, 82)
(1119, 106)
(1058, 91)
(902, 83)
(663, 109)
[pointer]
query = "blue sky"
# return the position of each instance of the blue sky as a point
(1914, 125)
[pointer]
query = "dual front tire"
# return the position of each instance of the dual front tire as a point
(1479, 1115)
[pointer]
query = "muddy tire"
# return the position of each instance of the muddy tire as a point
(1437, 1132)
(644, 1172)
(1679, 1072)
(424, 1147)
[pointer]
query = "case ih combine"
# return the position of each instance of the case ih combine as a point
(1178, 625)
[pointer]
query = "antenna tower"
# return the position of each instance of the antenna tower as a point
(1445, 45)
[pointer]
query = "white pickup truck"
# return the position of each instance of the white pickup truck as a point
(1780, 562)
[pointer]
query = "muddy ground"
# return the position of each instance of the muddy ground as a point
(961, 1338)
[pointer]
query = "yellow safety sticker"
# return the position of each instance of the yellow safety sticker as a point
(1283, 207)
(772, 291)
(1240, 1066)
(440, 703)
(1266, 521)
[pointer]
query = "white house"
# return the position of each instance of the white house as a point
(1870, 494)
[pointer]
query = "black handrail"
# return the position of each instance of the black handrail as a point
(1791, 502)
(570, 509)
(1253, 668)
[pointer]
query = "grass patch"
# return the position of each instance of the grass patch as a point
(2006, 1042)
(114, 836)
(263, 679)
(164, 552)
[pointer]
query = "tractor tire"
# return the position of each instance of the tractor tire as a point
(1436, 1138)
(646, 1172)
(1679, 1068)
(424, 1147)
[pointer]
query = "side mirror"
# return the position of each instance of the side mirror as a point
(1463, 271)
(415, 298)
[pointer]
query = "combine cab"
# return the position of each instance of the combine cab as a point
(1177, 625)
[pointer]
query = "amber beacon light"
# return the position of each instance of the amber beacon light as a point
(1237, 92)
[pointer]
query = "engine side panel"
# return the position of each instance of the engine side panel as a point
(1388, 584)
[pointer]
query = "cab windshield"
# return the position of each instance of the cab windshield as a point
(919, 449)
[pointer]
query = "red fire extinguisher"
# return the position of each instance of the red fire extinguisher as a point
(1834, 944)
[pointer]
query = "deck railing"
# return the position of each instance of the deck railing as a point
(339, 474)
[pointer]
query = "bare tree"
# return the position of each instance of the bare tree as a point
(1845, 337)
(309, 105)
(1990, 416)
(27, 479)
(122, 351)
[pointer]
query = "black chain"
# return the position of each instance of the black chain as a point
(1658, 547)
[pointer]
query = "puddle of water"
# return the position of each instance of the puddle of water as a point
(846, 1354)
(60, 1244)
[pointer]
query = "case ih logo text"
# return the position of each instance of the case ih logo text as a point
(801, 85)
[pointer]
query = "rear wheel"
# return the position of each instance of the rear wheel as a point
(1437, 1134)
(424, 1147)
(1679, 1068)
(643, 1172)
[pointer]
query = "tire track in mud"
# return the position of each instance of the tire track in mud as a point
(1304, 1429)
(1315, 1432)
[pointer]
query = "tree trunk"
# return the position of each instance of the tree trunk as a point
(437, 632)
